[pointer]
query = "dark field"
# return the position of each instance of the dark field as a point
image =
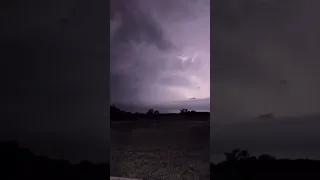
(177, 149)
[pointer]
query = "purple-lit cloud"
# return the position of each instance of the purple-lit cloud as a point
(160, 51)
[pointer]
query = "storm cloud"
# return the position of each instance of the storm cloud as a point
(159, 51)
(257, 45)
(265, 59)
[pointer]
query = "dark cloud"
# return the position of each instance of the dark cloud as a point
(232, 63)
(147, 39)
(265, 61)
(256, 44)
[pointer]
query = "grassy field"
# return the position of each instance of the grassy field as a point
(160, 149)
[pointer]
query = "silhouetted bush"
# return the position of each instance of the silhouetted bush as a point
(184, 111)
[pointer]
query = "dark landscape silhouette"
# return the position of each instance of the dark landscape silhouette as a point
(239, 164)
(116, 114)
(20, 163)
(155, 145)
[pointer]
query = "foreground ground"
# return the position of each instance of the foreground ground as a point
(160, 149)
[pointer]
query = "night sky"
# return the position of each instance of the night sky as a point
(265, 59)
(55, 77)
(55, 69)
(160, 54)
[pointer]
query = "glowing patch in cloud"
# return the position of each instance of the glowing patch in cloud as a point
(183, 58)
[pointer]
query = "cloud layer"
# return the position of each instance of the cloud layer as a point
(258, 45)
(159, 51)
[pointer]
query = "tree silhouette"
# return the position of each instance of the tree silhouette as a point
(150, 112)
(236, 154)
(244, 154)
(184, 111)
(240, 165)
(116, 114)
(156, 112)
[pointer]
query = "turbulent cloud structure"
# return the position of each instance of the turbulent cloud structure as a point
(160, 51)
(265, 57)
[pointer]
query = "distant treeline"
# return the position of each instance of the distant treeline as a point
(240, 165)
(116, 114)
(21, 163)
